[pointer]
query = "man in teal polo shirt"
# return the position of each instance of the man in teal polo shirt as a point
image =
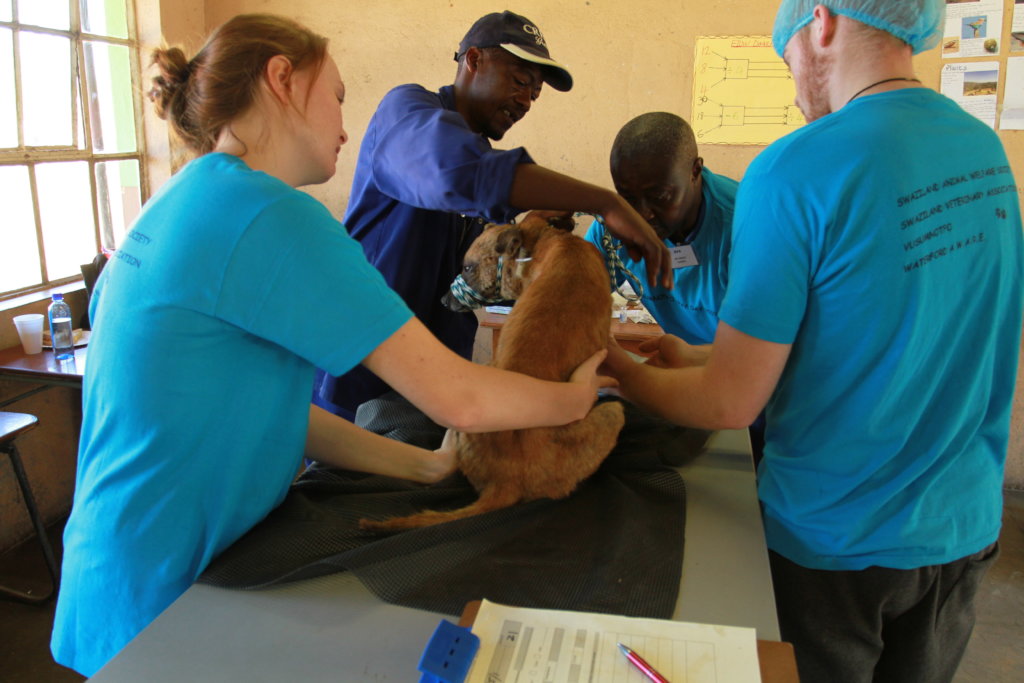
(874, 309)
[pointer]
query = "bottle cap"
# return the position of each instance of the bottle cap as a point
(58, 297)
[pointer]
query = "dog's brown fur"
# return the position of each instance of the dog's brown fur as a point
(561, 318)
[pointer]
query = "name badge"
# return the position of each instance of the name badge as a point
(683, 256)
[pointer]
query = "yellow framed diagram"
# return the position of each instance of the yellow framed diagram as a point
(742, 92)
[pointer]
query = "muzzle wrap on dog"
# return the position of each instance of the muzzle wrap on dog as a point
(469, 297)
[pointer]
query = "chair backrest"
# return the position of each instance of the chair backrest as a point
(91, 273)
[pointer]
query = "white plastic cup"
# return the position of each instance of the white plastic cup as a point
(30, 330)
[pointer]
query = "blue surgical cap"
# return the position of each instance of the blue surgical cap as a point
(919, 23)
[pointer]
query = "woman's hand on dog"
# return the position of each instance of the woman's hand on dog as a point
(443, 461)
(436, 465)
(618, 361)
(587, 373)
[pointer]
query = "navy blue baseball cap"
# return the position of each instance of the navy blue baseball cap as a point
(521, 37)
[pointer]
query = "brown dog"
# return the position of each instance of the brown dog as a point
(561, 318)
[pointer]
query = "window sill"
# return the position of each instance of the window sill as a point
(35, 297)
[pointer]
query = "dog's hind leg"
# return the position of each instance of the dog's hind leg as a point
(493, 497)
(580, 448)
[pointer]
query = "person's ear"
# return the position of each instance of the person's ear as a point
(823, 26)
(698, 166)
(278, 74)
(473, 56)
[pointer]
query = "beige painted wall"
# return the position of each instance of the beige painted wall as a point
(626, 58)
(618, 75)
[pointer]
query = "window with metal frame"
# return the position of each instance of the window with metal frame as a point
(71, 145)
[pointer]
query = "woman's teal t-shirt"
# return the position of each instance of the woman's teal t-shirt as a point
(207, 326)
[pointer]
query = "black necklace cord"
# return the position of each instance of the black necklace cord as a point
(884, 80)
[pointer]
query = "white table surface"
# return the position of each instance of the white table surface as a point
(333, 629)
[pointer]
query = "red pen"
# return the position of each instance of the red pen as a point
(638, 661)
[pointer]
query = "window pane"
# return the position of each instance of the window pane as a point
(105, 17)
(5, 10)
(119, 198)
(46, 89)
(17, 231)
(8, 108)
(65, 209)
(48, 13)
(109, 79)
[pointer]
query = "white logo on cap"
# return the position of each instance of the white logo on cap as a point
(535, 32)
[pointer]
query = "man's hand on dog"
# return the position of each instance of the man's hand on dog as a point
(626, 224)
(669, 351)
(640, 241)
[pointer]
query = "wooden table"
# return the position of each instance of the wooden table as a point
(40, 369)
(629, 335)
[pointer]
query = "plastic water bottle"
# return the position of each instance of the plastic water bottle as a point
(61, 329)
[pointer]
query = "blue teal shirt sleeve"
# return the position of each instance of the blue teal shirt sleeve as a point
(771, 263)
(594, 234)
(428, 157)
(295, 245)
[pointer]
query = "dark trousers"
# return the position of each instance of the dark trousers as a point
(879, 624)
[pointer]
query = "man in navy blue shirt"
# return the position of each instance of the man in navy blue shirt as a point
(427, 180)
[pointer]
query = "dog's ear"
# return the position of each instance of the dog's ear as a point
(509, 241)
(560, 220)
(563, 221)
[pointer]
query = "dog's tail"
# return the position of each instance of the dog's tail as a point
(491, 498)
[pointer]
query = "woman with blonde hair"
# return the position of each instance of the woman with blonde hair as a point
(230, 289)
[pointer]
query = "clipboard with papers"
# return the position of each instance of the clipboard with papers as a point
(497, 643)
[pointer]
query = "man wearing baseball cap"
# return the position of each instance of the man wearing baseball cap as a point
(874, 305)
(427, 180)
(520, 37)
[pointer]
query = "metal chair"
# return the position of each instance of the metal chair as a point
(13, 425)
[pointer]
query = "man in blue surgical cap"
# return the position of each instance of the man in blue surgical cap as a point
(874, 308)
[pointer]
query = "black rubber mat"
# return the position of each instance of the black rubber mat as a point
(615, 545)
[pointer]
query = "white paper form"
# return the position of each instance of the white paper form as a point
(1017, 27)
(1012, 117)
(973, 28)
(520, 645)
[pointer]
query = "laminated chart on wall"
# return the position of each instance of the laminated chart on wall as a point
(973, 28)
(742, 92)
